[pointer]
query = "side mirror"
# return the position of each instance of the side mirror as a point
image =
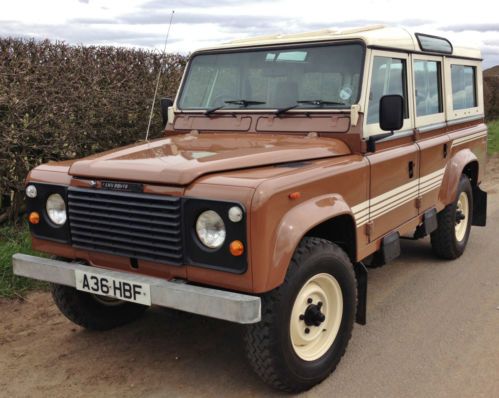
(165, 103)
(391, 112)
(391, 118)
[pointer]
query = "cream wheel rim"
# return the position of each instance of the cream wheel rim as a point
(462, 215)
(316, 317)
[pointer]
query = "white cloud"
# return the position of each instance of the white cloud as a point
(202, 23)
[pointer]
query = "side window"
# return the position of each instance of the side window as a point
(463, 87)
(389, 76)
(428, 87)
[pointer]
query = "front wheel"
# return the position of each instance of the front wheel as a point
(306, 322)
(94, 312)
(454, 223)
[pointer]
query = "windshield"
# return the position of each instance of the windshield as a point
(311, 77)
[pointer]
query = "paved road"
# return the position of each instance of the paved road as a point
(433, 331)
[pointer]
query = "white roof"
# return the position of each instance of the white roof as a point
(375, 35)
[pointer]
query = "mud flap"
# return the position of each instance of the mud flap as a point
(389, 250)
(361, 276)
(479, 207)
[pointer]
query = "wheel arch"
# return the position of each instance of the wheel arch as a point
(471, 170)
(463, 162)
(339, 229)
(327, 216)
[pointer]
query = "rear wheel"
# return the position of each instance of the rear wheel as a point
(454, 223)
(94, 312)
(306, 322)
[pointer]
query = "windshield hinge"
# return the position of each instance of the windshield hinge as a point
(354, 114)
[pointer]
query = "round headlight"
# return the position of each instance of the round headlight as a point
(56, 209)
(31, 191)
(210, 229)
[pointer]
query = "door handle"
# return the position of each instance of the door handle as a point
(445, 151)
(411, 169)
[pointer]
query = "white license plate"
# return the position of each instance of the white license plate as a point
(122, 289)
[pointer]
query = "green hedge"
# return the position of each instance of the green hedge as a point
(62, 102)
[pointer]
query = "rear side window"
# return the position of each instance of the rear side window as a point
(428, 86)
(463, 86)
(388, 77)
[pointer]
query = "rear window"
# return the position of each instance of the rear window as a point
(463, 86)
(428, 87)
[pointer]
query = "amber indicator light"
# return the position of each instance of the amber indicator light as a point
(34, 217)
(294, 195)
(236, 248)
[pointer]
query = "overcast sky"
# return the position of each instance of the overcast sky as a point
(143, 23)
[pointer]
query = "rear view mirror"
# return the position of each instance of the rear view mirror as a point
(391, 112)
(165, 103)
(391, 118)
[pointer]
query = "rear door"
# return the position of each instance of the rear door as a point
(395, 164)
(429, 111)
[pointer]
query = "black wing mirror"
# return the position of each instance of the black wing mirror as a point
(165, 103)
(391, 112)
(391, 118)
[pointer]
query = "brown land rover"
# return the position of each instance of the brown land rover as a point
(289, 163)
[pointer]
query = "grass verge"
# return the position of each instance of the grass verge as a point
(493, 144)
(15, 240)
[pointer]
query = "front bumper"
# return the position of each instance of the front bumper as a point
(220, 304)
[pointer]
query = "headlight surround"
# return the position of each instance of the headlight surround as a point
(56, 209)
(210, 229)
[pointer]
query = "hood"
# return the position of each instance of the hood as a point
(181, 159)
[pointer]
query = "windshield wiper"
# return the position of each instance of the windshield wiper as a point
(320, 102)
(280, 111)
(241, 102)
(210, 111)
(244, 102)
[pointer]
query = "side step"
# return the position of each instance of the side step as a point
(430, 224)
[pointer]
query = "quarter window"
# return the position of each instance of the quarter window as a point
(428, 86)
(388, 77)
(463, 87)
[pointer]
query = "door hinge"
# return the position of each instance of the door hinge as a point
(369, 228)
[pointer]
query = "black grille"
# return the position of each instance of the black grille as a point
(134, 225)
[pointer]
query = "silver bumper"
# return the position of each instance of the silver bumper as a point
(220, 304)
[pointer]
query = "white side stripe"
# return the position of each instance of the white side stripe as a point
(469, 138)
(388, 201)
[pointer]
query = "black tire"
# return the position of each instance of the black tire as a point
(444, 241)
(268, 343)
(85, 310)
